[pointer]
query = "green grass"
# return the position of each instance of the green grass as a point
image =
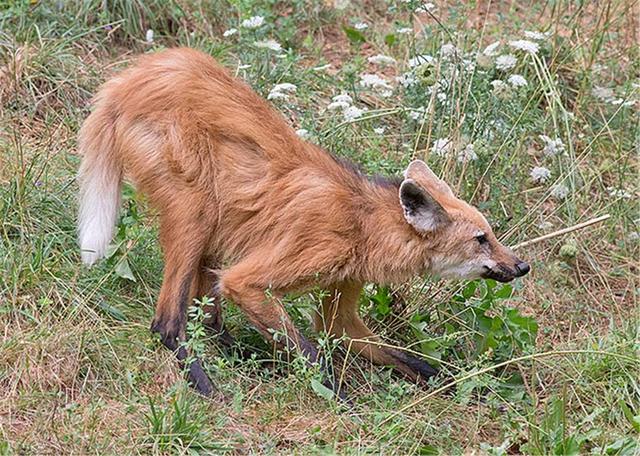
(548, 365)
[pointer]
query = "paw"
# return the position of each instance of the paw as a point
(168, 333)
(412, 366)
(199, 380)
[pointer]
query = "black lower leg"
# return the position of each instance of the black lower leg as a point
(309, 351)
(172, 334)
(212, 308)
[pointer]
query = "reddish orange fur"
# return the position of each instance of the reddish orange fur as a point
(239, 192)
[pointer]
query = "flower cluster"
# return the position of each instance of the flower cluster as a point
(552, 147)
(376, 83)
(444, 147)
(344, 103)
(607, 95)
(253, 22)
(281, 91)
(540, 174)
(382, 60)
(270, 44)
(530, 47)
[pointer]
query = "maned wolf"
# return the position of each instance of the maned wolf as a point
(246, 206)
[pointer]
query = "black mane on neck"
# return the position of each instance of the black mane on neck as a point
(378, 179)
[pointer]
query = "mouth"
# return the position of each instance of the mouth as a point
(500, 274)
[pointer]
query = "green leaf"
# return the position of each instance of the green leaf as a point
(321, 390)
(633, 420)
(622, 447)
(112, 249)
(354, 35)
(469, 290)
(124, 270)
(568, 447)
(113, 312)
(428, 450)
(390, 39)
(504, 292)
(382, 300)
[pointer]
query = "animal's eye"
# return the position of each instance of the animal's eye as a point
(482, 239)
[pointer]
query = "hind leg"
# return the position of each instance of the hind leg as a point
(182, 244)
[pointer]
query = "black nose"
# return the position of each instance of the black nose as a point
(522, 268)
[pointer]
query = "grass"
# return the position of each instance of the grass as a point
(548, 365)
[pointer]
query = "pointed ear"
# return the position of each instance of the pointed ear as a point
(421, 210)
(420, 171)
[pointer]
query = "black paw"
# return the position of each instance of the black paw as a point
(168, 333)
(199, 380)
(421, 368)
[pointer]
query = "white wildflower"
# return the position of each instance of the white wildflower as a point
(499, 85)
(419, 60)
(343, 98)
(616, 101)
(281, 91)
(352, 113)
(618, 193)
(418, 114)
(441, 96)
(342, 101)
(274, 95)
(361, 26)
(285, 87)
(426, 8)
(552, 147)
(449, 50)
(540, 174)
(535, 35)
(560, 191)
(244, 66)
(341, 4)
(517, 80)
(404, 30)
(253, 22)
(231, 31)
(268, 44)
(492, 49)
(407, 79)
(506, 61)
(376, 83)
(468, 65)
(633, 236)
(379, 130)
(334, 106)
(303, 133)
(530, 47)
(149, 36)
(603, 93)
(322, 67)
(467, 154)
(441, 147)
(381, 59)
(373, 80)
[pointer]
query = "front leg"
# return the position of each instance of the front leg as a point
(245, 285)
(339, 317)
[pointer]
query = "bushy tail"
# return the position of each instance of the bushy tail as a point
(100, 178)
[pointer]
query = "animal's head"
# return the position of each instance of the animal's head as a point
(462, 244)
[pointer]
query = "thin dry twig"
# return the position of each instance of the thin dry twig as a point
(570, 229)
